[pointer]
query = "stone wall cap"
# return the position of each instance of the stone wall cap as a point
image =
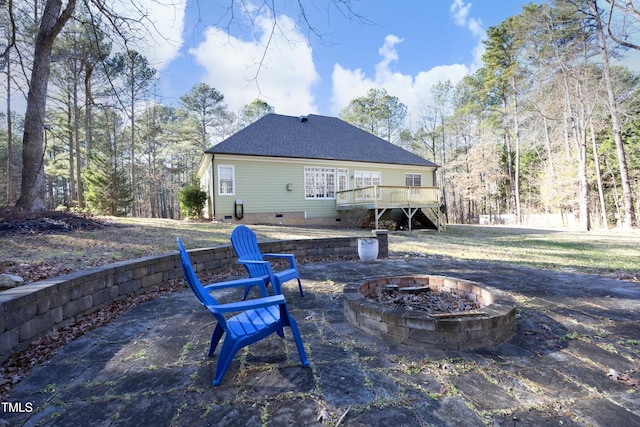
(378, 231)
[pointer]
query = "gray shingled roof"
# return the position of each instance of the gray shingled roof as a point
(319, 137)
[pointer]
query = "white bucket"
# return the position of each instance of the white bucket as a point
(368, 249)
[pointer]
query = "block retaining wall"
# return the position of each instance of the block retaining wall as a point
(31, 311)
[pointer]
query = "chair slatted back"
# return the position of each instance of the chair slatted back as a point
(194, 283)
(245, 244)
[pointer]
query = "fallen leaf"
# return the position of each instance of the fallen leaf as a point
(324, 415)
(626, 379)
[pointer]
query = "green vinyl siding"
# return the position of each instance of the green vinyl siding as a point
(262, 183)
(396, 175)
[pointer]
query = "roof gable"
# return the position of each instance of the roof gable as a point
(314, 137)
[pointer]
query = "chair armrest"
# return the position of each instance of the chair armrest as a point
(266, 264)
(238, 283)
(251, 261)
(247, 304)
(290, 257)
(270, 273)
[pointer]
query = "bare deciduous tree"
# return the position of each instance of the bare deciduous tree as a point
(54, 18)
(629, 208)
(630, 16)
(50, 21)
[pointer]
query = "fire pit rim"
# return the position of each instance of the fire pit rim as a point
(495, 325)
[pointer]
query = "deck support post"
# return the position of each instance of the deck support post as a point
(379, 215)
(410, 212)
(379, 199)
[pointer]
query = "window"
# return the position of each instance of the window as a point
(367, 178)
(319, 183)
(413, 179)
(226, 180)
(343, 179)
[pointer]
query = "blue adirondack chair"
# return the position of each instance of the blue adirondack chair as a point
(246, 247)
(256, 319)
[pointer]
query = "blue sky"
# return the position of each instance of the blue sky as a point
(405, 48)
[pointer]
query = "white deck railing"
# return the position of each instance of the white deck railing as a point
(388, 196)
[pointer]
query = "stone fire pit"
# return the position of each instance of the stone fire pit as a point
(491, 323)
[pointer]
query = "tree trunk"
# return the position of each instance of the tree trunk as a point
(442, 171)
(585, 220)
(88, 117)
(10, 195)
(516, 131)
(114, 169)
(580, 137)
(32, 189)
(511, 201)
(132, 152)
(629, 212)
(70, 137)
(603, 204)
(76, 135)
(571, 129)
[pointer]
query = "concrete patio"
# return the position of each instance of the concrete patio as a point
(149, 367)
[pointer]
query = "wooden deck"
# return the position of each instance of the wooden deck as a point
(382, 197)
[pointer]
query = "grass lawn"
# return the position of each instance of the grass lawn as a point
(607, 253)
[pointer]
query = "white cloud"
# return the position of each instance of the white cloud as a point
(460, 13)
(158, 37)
(413, 91)
(388, 50)
(347, 85)
(168, 21)
(276, 67)
(160, 31)
(475, 26)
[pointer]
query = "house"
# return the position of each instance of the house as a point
(315, 170)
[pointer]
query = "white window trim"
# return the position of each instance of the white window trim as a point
(233, 180)
(371, 174)
(413, 175)
(342, 172)
(327, 171)
(367, 194)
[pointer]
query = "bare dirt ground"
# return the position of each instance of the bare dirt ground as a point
(50, 244)
(16, 223)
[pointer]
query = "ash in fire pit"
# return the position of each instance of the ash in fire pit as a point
(423, 298)
(434, 312)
